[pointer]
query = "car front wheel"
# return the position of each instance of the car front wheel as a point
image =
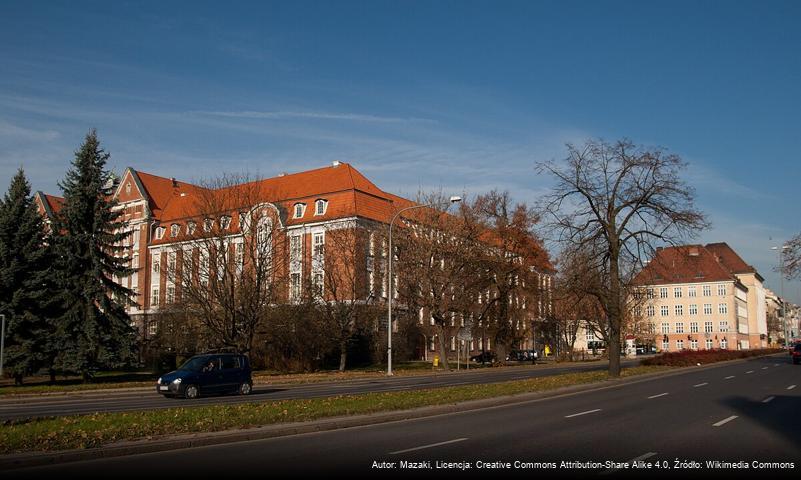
(190, 391)
(245, 388)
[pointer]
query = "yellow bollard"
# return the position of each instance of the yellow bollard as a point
(436, 361)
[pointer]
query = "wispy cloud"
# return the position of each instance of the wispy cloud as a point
(28, 134)
(281, 115)
(704, 178)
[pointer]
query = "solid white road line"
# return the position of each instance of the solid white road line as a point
(633, 460)
(583, 413)
(769, 399)
(428, 446)
(659, 395)
(701, 384)
(729, 377)
(724, 421)
(791, 387)
(750, 371)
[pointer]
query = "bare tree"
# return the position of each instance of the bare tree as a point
(618, 200)
(340, 286)
(792, 258)
(435, 265)
(508, 257)
(228, 270)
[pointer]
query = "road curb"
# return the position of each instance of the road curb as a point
(15, 461)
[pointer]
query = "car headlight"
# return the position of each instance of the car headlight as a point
(177, 381)
(159, 380)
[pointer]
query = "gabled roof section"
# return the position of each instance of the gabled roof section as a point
(730, 259)
(683, 264)
(50, 204)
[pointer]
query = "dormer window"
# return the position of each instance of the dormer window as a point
(320, 206)
(225, 222)
(160, 232)
(208, 224)
(300, 208)
(174, 230)
(190, 228)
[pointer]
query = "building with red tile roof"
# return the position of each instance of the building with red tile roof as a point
(165, 214)
(703, 297)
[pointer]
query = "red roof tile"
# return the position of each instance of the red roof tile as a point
(683, 264)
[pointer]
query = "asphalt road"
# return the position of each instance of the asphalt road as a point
(743, 412)
(56, 405)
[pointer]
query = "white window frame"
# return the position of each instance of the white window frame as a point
(663, 292)
(707, 290)
(679, 310)
(708, 344)
(707, 309)
(680, 344)
(708, 326)
(691, 291)
(723, 308)
(693, 327)
(320, 206)
(676, 292)
(664, 310)
(721, 290)
(693, 310)
(679, 327)
(175, 229)
(298, 210)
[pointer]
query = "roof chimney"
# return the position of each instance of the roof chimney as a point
(174, 182)
(282, 174)
(335, 163)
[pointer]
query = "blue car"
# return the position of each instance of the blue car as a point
(211, 373)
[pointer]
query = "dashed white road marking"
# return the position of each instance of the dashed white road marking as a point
(428, 446)
(724, 421)
(791, 387)
(729, 377)
(701, 384)
(769, 399)
(583, 413)
(658, 395)
(764, 368)
(775, 364)
(750, 371)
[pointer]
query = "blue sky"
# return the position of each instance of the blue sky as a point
(466, 96)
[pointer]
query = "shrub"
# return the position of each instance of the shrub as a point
(686, 358)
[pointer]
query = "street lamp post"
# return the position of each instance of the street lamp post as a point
(781, 280)
(453, 199)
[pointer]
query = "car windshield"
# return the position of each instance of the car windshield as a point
(195, 364)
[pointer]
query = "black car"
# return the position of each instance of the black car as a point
(208, 374)
(484, 357)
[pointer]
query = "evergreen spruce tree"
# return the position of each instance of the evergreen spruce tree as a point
(26, 288)
(94, 330)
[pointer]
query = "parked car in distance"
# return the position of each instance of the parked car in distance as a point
(211, 373)
(484, 357)
(521, 355)
(797, 354)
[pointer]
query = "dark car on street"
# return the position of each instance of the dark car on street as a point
(211, 373)
(797, 354)
(484, 357)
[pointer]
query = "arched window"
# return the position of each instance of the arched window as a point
(320, 206)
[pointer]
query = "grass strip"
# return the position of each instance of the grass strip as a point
(91, 431)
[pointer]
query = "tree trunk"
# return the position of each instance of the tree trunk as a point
(343, 355)
(614, 312)
(443, 351)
